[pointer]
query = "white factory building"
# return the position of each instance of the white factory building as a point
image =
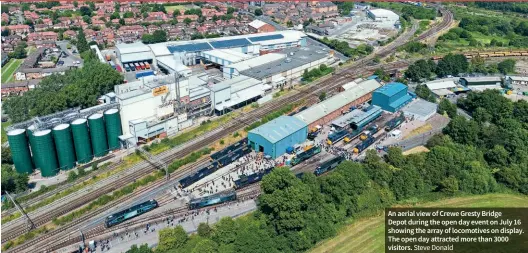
(150, 105)
(134, 52)
(222, 51)
(283, 71)
(250, 65)
(383, 15)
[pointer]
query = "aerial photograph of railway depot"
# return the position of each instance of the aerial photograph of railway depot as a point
(254, 126)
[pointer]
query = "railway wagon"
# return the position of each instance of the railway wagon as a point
(306, 155)
(212, 200)
(328, 165)
(364, 145)
(337, 136)
(130, 213)
(244, 180)
(201, 173)
(233, 156)
(229, 149)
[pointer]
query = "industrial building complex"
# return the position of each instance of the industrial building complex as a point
(188, 80)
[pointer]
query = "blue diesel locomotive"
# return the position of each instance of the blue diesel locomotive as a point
(212, 200)
(130, 213)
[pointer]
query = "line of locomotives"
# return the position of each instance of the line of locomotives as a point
(366, 134)
(241, 148)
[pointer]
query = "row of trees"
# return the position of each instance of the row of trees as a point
(77, 87)
(315, 73)
(344, 48)
(503, 6)
(156, 37)
(454, 65)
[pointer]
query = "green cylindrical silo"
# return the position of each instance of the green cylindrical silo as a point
(20, 153)
(64, 145)
(45, 151)
(81, 141)
(30, 131)
(113, 128)
(98, 135)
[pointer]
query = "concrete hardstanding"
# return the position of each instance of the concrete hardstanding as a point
(45, 149)
(98, 135)
(64, 145)
(81, 141)
(113, 128)
(18, 143)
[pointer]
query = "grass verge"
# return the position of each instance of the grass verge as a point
(9, 69)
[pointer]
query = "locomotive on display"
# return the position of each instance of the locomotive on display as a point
(328, 165)
(244, 180)
(212, 200)
(218, 160)
(130, 213)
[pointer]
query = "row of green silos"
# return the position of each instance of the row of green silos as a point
(65, 145)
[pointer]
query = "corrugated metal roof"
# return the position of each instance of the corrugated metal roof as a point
(441, 85)
(136, 47)
(279, 128)
(420, 107)
(326, 107)
(391, 89)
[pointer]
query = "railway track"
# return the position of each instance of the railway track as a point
(62, 187)
(327, 84)
(175, 213)
(446, 23)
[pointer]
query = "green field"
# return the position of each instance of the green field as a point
(367, 235)
(175, 7)
(9, 69)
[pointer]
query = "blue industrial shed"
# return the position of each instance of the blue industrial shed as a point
(391, 97)
(274, 137)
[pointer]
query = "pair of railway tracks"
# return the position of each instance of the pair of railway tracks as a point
(330, 83)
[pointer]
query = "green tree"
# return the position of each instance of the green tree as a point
(480, 115)
(176, 13)
(423, 92)
(322, 96)
(462, 130)
(449, 185)
(205, 246)
(82, 44)
(85, 11)
(452, 64)
(507, 66)
(187, 21)
(12, 181)
(128, 14)
(225, 231)
(258, 12)
(204, 230)
(447, 107)
(6, 155)
(20, 51)
(72, 176)
(144, 248)
(172, 238)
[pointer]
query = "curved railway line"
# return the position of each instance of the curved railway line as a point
(340, 77)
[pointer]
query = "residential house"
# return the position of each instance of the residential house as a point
(45, 44)
(181, 18)
(40, 27)
(258, 26)
(69, 34)
(152, 28)
(17, 29)
(29, 15)
(39, 36)
(131, 21)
